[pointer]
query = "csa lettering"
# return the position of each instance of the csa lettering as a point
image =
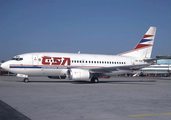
(55, 60)
(44, 62)
(66, 60)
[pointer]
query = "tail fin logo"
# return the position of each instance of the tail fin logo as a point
(146, 36)
(144, 48)
(145, 42)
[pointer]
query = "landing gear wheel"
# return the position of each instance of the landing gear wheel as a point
(94, 80)
(26, 80)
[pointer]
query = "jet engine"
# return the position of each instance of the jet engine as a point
(78, 74)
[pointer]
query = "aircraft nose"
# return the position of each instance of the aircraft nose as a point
(5, 66)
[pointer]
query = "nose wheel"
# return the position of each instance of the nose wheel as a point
(26, 80)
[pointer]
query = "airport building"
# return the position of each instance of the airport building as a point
(162, 68)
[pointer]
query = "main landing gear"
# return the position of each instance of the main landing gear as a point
(26, 80)
(94, 80)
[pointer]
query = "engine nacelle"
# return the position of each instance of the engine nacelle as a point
(78, 74)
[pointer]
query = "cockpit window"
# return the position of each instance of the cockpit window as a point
(17, 58)
(13, 59)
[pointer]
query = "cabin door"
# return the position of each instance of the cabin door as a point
(34, 59)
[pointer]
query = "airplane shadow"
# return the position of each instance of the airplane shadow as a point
(145, 82)
(138, 82)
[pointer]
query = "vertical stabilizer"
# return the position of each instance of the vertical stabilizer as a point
(144, 48)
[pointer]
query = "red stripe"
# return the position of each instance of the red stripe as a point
(142, 46)
(145, 36)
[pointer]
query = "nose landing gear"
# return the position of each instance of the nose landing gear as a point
(26, 80)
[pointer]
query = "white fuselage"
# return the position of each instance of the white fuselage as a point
(57, 64)
(83, 66)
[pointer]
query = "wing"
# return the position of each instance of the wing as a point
(117, 68)
(128, 67)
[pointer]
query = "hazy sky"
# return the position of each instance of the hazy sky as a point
(89, 26)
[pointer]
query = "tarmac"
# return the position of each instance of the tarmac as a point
(116, 98)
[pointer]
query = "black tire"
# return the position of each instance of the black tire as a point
(26, 80)
(94, 80)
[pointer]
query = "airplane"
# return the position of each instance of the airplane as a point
(78, 66)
